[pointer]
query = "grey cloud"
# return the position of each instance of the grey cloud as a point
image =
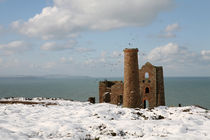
(14, 47)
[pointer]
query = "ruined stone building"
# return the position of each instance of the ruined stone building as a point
(141, 88)
(111, 92)
(151, 85)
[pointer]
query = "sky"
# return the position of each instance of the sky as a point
(87, 37)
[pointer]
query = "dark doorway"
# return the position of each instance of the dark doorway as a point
(146, 104)
(146, 90)
(121, 99)
(106, 97)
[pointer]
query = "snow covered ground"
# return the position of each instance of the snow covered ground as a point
(82, 120)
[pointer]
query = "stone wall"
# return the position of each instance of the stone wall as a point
(102, 90)
(160, 86)
(117, 93)
(111, 92)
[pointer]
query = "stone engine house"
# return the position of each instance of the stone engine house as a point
(151, 85)
(141, 88)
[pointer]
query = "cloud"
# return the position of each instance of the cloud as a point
(116, 54)
(14, 47)
(60, 46)
(163, 52)
(12, 62)
(66, 60)
(90, 62)
(67, 18)
(49, 65)
(84, 50)
(49, 46)
(45, 65)
(167, 35)
(1, 60)
(169, 31)
(107, 60)
(172, 27)
(205, 54)
(173, 54)
(180, 61)
(53, 46)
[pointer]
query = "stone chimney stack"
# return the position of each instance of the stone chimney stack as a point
(131, 95)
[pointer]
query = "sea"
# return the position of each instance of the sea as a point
(178, 90)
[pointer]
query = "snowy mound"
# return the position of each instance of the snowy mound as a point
(82, 120)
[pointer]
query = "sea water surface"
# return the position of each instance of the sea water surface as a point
(178, 90)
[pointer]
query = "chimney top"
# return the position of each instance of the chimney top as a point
(131, 50)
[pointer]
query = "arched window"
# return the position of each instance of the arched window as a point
(146, 104)
(146, 90)
(146, 75)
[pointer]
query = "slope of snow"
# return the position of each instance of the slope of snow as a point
(82, 120)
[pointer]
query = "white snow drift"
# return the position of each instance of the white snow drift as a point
(82, 120)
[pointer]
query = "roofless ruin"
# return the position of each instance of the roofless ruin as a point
(141, 88)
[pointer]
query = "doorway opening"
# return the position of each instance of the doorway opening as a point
(146, 90)
(146, 104)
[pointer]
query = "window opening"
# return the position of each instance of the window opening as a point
(146, 75)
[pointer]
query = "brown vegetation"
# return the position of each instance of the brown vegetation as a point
(27, 102)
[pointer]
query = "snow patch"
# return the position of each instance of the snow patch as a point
(82, 120)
